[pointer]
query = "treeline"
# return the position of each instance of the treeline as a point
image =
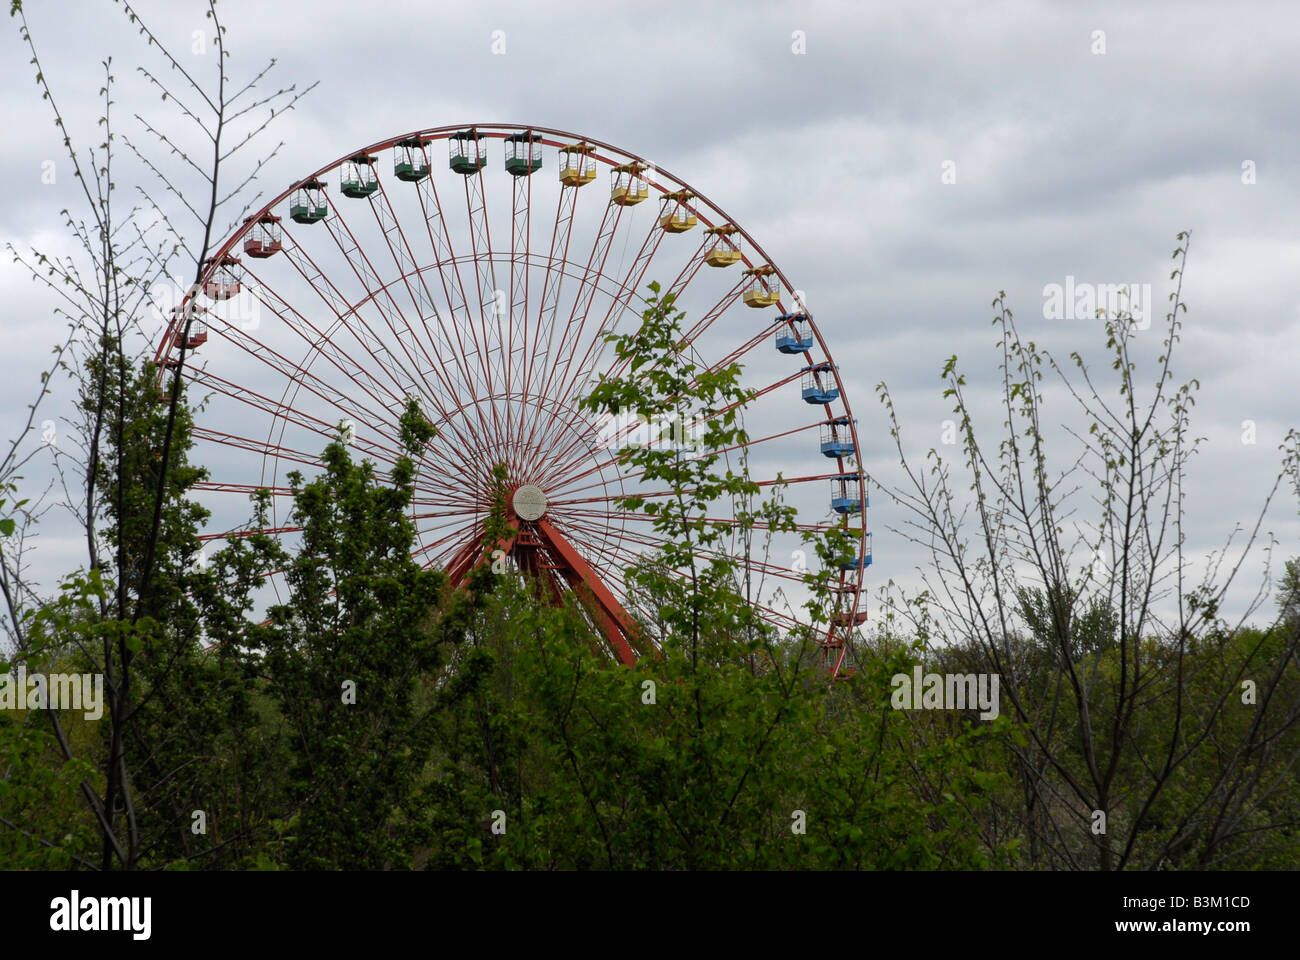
(376, 719)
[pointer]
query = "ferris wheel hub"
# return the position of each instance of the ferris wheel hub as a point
(529, 502)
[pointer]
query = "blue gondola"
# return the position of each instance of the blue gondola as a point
(846, 494)
(854, 562)
(791, 337)
(837, 438)
(819, 384)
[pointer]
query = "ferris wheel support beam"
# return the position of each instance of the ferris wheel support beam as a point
(473, 554)
(620, 628)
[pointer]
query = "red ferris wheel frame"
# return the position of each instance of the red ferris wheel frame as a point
(562, 558)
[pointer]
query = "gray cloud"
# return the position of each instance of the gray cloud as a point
(1067, 163)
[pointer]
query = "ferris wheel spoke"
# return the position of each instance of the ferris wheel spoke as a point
(366, 274)
(453, 286)
(759, 526)
(380, 296)
(754, 566)
(294, 321)
(520, 270)
(689, 271)
(321, 341)
(546, 434)
(327, 393)
(448, 495)
(324, 391)
(237, 442)
(422, 299)
(540, 361)
(480, 236)
(614, 317)
(259, 402)
(569, 500)
(572, 328)
(672, 291)
(624, 293)
(552, 283)
(485, 269)
(594, 533)
(502, 435)
(516, 344)
(441, 549)
(323, 344)
(217, 486)
(447, 490)
(244, 533)
(376, 450)
(615, 457)
(619, 366)
(440, 537)
(455, 500)
(438, 515)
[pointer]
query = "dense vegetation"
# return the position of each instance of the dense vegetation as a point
(377, 719)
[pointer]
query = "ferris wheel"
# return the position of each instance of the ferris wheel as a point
(485, 289)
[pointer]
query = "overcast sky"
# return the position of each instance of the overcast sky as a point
(826, 129)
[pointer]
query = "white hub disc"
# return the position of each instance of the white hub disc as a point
(529, 502)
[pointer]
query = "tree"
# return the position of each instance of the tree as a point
(348, 659)
(1128, 633)
(105, 293)
(1288, 594)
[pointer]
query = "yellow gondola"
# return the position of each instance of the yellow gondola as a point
(725, 250)
(629, 187)
(676, 216)
(763, 289)
(577, 165)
